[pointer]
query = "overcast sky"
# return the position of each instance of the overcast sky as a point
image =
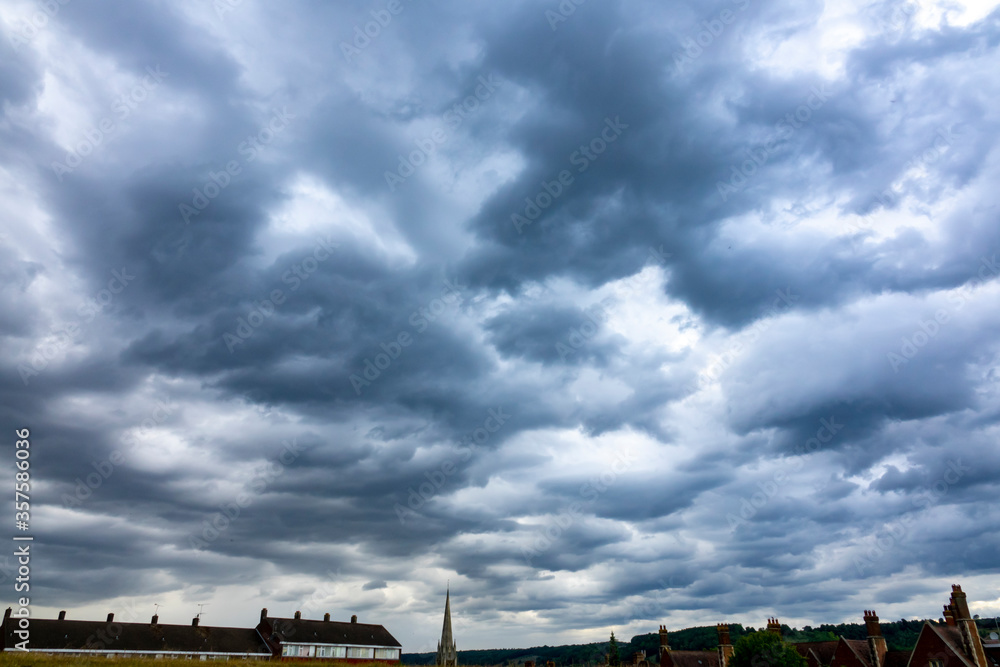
(612, 313)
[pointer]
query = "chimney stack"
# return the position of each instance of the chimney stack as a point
(774, 626)
(949, 615)
(326, 617)
(664, 646)
(155, 619)
(354, 618)
(194, 622)
(971, 640)
(876, 642)
(298, 615)
(725, 646)
(62, 616)
(263, 614)
(111, 618)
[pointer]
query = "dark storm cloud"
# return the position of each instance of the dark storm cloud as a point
(453, 363)
(548, 333)
(732, 287)
(19, 71)
(142, 34)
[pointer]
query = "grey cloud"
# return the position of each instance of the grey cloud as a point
(834, 255)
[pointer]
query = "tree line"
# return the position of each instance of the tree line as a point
(899, 635)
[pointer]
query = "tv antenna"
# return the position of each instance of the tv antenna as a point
(156, 607)
(200, 606)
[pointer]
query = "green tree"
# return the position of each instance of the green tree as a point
(613, 658)
(765, 649)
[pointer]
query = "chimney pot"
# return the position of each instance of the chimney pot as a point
(194, 622)
(354, 618)
(298, 615)
(111, 618)
(263, 614)
(62, 616)
(326, 616)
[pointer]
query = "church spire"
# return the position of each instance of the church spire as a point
(447, 653)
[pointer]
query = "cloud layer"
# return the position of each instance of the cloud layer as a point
(612, 314)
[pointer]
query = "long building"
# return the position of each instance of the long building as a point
(344, 642)
(271, 639)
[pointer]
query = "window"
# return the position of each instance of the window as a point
(937, 663)
(386, 654)
(358, 652)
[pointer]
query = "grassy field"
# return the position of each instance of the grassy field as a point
(21, 659)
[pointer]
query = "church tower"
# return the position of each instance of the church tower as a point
(447, 655)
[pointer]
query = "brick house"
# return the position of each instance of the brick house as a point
(956, 643)
(953, 643)
(116, 639)
(302, 639)
(870, 652)
(671, 658)
(282, 639)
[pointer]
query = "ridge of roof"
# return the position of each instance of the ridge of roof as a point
(332, 632)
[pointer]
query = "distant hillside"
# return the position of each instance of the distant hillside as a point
(899, 635)
(583, 654)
